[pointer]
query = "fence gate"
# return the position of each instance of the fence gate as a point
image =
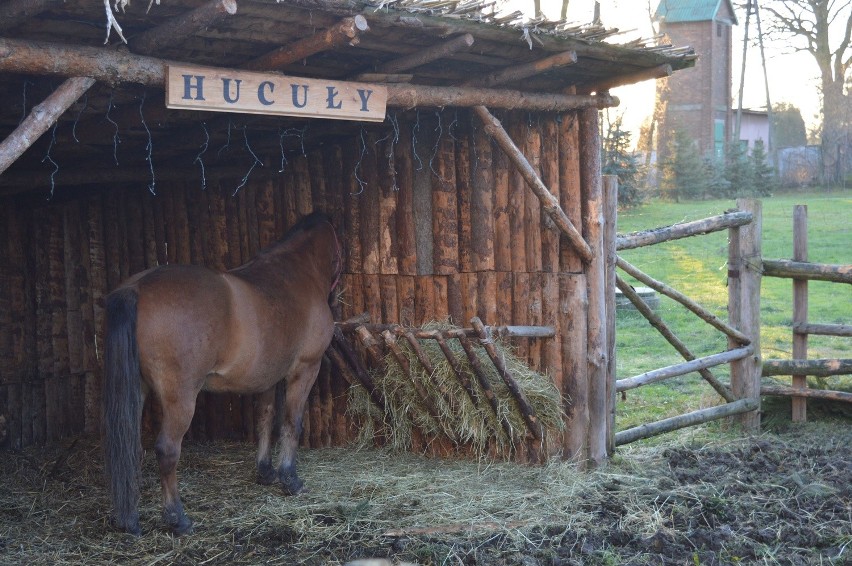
(742, 329)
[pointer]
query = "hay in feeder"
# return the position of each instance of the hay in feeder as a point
(466, 421)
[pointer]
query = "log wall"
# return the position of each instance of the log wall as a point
(434, 223)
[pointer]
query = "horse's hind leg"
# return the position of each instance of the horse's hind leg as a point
(298, 387)
(177, 416)
(264, 415)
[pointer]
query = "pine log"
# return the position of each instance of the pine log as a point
(744, 266)
(486, 295)
(445, 222)
(683, 421)
(373, 296)
(683, 230)
(502, 219)
(822, 329)
(806, 393)
(670, 337)
(800, 308)
(43, 58)
(550, 203)
(405, 224)
(352, 210)
(531, 136)
(816, 367)
(73, 303)
(388, 201)
(808, 271)
(573, 302)
(551, 356)
(483, 189)
(176, 29)
(657, 72)
(427, 55)
(549, 234)
(469, 298)
(462, 133)
(406, 298)
(369, 205)
(441, 305)
(593, 228)
(455, 300)
(569, 187)
(41, 118)
(522, 71)
(424, 305)
(422, 145)
(518, 395)
(610, 212)
(399, 356)
(358, 375)
(521, 301)
(15, 12)
(390, 301)
(699, 311)
(344, 32)
(498, 331)
(455, 365)
(683, 368)
(517, 201)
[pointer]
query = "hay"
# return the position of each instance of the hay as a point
(768, 499)
(464, 422)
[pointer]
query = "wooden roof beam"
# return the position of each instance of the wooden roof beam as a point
(42, 117)
(433, 53)
(346, 31)
(15, 12)
(176, 29)
(526, 70)
(658, 72)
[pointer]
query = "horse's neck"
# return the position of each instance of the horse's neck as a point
(285, 261)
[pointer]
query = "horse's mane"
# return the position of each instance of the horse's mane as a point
(306, 223)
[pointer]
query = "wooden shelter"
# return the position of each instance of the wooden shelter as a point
(479, 194)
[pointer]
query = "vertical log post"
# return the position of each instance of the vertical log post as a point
(593, 228)
(800, 308)
(744, 272)
(610, 202)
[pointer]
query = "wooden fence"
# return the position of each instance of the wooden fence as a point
(802, 271)
(742, 329)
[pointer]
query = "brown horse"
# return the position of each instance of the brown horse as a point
(177, 330)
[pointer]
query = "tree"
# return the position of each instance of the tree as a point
(762, 174)
(823, 28)
(618, 159)
(738, 170)
(788, 127)
(684, 173)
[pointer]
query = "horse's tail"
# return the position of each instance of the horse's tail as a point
(122, 408)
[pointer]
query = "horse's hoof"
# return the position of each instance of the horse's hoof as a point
(178, 522)
(184, 528)
(292, 485)
(266, 474)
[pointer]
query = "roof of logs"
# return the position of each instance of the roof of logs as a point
(107, 133)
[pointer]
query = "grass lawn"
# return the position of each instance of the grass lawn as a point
(697, 267)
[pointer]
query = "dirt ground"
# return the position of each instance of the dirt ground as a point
(701, 497)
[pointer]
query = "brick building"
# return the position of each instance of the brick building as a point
(698, 100)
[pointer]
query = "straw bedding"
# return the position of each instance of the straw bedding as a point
(774, 499)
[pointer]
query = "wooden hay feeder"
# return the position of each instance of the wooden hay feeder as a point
(478, 194)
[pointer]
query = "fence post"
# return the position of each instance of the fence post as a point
(744, 273)
(610, 188)
(800, 308)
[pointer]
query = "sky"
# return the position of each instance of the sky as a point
(792, 76)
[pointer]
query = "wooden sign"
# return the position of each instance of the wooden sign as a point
(232, 90)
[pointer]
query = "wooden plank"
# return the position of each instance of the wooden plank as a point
(352, 211)
(610, 212)
(424, 307)
(387, 196)
(406, 296)
(806, 393)
(503, 240)
(455, 300)
(800, 308)
(213, 89)
(302, 186)
(423, 142)
(505, 305)
(551, 356)
(469, 297)
(389, 298)
(534, 318)
(440, 297)
(823, 329)
(486, 296)
(73, 285)
(373, 297)
(517, 204)
(93, 328)
(461, 130)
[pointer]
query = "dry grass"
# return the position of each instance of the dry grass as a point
(772, 499)
(465, 422)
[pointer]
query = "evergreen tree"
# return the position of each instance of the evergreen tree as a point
(739, 170)
(763, 175)
(684, 173)
(617, 159)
